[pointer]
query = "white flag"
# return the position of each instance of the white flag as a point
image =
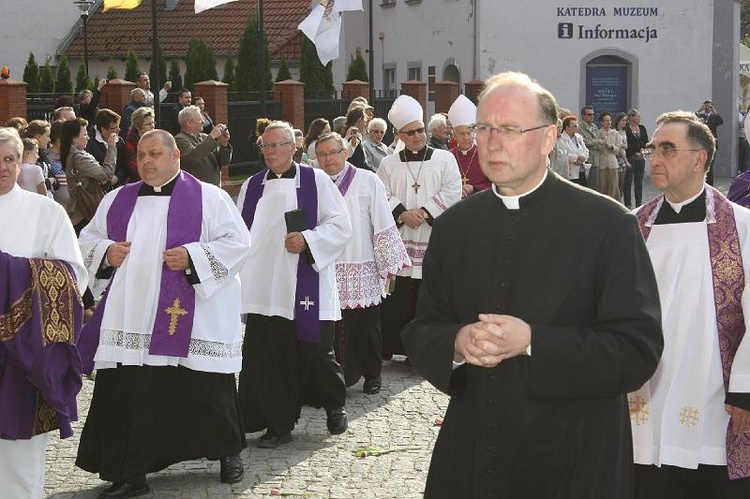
(201, 5)
(323, 26)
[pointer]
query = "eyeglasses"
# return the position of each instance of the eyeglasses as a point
(411, 133)
(666, 151)
(273, 145)
(380, 132)
(507, 132)
(326, 155)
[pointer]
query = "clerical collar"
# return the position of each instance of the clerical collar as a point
(514, 202)
(468, 150)
(290, 173)
(341, 173)
(691, 211)
(678, 206)
(161, 190)
(423, 154)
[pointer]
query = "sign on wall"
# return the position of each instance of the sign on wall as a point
(607, 88)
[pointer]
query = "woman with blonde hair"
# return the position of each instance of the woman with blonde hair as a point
(142, 120)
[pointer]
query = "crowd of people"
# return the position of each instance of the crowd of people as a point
(207, 318)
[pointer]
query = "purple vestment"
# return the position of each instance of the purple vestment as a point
(40, 369)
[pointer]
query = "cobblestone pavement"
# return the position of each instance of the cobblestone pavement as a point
(314, 464)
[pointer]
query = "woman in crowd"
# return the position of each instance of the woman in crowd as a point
(356, 123)
(300, 155)
(31, 177)
(608, 182)
(62, 195)
(373, 145)
(578, 153)
(318, 127)
(621, 121)
(141, 121)
(39, 130)
(558, 157)
(637, 140)
(86, 176)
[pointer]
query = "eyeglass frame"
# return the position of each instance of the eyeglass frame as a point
(326, 155)
(504, 131)
(667, 151)
(412, 133)
(274, 145)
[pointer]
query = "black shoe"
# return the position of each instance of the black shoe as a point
(372, 386)
(337, 421)
(131, 488)
(231, 469)
(271, 440)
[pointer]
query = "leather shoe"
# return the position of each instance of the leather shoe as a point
(271, 440)
(231, 469)
(337, 421)
(372, 386)
(131, 488)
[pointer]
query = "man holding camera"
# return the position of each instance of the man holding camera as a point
(202, 155)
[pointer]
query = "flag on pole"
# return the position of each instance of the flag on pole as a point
(323, 26)
(201, 5)
(121, 4)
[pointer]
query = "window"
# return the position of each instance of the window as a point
(387, 3)
(431, 83)
(414, 71)
(389, 80)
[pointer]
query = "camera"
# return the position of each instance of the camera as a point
(223, 127)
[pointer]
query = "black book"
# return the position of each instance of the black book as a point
(295, 222)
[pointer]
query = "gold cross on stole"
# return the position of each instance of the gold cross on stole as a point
(174, 313)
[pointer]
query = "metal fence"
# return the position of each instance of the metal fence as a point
(242, 118)
(39, 106)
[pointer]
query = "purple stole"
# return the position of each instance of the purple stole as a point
(728, 283)
(173, 325)
(345, 181)
(307, 293)
(40, 370)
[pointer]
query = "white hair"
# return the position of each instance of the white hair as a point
(379, 122)
(188, 112)
(435, 121)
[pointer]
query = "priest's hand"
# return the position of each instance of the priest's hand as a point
(412, 218)
(176, 258)
(117, 252)
(514, 334)
(295, 243)
(740, 419)
(474, 345)
(466, 190)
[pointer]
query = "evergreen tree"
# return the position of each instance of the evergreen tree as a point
(64, 83)
(318, 79)
(31, 75)
(111, 71)
(283, 73)
(174, 75)
(357, 69)
(82, 78)
(94, 83)
(132, 68)
(229, 76)
(200, 64)
(248, 74)
(47, 80)
(162, 76)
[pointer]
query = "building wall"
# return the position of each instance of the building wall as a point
(36, 26)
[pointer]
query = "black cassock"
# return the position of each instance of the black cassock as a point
(574, 266)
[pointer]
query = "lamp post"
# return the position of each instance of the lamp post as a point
(84, 6)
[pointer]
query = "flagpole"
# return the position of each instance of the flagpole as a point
(262, 59)
(155, 60)
(371, 60)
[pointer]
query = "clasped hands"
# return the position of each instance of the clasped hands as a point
(413, 218)
(491, 340)
(175, 258)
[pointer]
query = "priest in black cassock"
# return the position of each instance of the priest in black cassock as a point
(540, 326)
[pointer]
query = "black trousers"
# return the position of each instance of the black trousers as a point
(634, 178)
(280, 374)
(671, 482)
(359, 343)
(398, 310)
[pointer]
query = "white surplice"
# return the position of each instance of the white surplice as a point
(33, 226)
(375, 249)
(678, 417)
(439, 188)
(128, 320)
(270, 272)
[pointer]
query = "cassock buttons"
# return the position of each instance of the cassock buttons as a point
(508, 237)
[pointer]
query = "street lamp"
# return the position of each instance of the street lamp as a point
(83, 6)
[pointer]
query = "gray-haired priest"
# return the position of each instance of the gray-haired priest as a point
(421, 183)
(374, 253)
(299, 226)
(166, 339)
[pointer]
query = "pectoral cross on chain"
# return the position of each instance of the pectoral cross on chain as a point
(415, 186)
(307, 303)
(174, 313)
